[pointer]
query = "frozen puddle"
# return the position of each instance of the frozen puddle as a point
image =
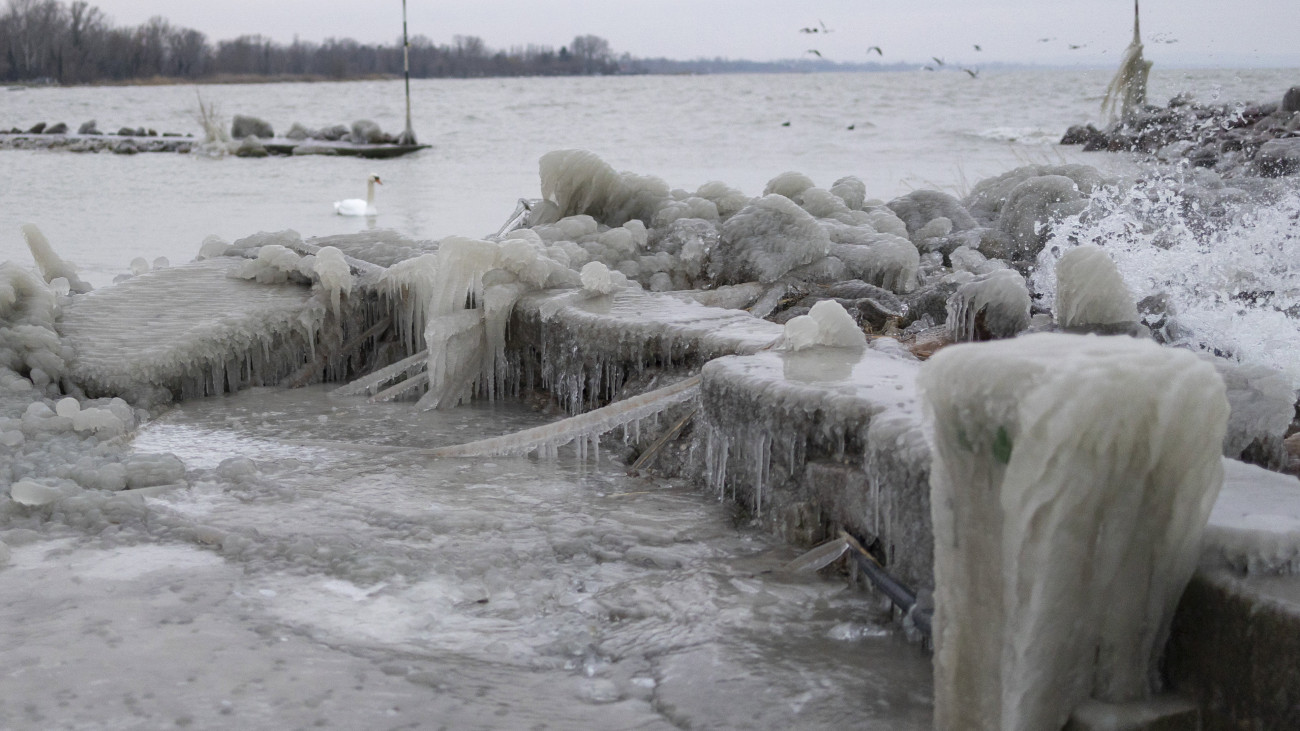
(349, 585)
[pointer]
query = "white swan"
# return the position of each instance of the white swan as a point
(358, 207)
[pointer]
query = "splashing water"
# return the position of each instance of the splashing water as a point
(1217, 268)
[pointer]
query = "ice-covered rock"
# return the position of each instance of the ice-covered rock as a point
(1033, 206)
(766, 240)
(920, 208)
(579, 182)
(988, 307)
(789, 184)
(988, 197)
(1263, 406)
(1090, 291)
(243, 126)
(1071, 484)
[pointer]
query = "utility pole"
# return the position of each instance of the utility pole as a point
(408, 137)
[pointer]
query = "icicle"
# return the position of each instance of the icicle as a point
(595, 422)
(371, 382)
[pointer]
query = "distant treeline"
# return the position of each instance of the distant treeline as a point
(47, 41)
(74, 43)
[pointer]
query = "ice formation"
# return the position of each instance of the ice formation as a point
(989, 306)
(765, 240)
(1089, 291)
(1071, 483)
(826, 324)
(51, 265)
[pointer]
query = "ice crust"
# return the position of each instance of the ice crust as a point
(1072, 481)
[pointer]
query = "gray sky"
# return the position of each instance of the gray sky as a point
(1176, 32)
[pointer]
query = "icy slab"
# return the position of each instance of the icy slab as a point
(770, 417)
(188, 329)
(1255, 525)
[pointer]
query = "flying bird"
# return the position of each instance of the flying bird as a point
(937, 60)
(821, 29)
(929, 68)
(977, 47)
(815, 52)
(1046, 40)
(876, 49)
(974, 73)
(1075, 47)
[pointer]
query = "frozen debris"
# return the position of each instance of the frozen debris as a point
(1042, 444)
(989, 307)
(1090, 292)
(590, 425)
(52, 267)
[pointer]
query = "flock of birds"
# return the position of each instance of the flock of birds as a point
(821, 29)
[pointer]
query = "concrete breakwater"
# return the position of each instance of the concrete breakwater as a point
(247, 137)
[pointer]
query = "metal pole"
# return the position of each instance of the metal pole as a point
(408, 137)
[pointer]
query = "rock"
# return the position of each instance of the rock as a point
(251, 147)
(1278, 157)
(298, 132)
(125, 132)
(125, 147)
(88, 128)
(1291, 100)
(37, 128)
(58, 129)
(242, 127)
(366, 132)
(309, 149)
(920, 207)
(1083, 134)
(332, 134)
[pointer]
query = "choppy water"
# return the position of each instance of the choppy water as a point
(911, 130)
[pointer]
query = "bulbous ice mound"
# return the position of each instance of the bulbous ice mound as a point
(826, 324)
(1089, 290)
(1072, 480)
(765, 240)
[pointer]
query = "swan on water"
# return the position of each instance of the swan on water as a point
(356, 206)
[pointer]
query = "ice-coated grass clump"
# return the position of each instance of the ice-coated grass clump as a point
(1072, 480)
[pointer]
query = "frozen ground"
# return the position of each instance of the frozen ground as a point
(344, 583)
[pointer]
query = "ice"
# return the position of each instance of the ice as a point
(827, 324)
(1089, 291)
(1072, 480)
(591, 425)
(51, 265)
(579, 182)
(333, 274)
(765, 240)
(989, 306)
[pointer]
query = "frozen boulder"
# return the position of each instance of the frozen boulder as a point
(298, 132)
(152, 470)
(579, 182)
(767, 239)
(242, 126)
(789, 184)
(851, 190)
(989, 307)
(1263, 405)
(366, 132)
(988, 196)
(251, 147)
(1033, 207)
(920, 207)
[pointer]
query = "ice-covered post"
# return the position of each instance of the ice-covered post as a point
(1072, 479)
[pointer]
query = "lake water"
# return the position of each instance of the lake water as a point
(911, 130)
(314, 573)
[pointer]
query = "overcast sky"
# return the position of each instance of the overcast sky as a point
(1176, 32)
